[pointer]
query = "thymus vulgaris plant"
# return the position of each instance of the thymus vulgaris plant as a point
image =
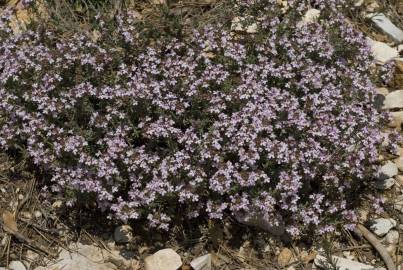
(279, 122)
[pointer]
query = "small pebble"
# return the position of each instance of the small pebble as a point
(37, 214)
(16, 265)
(382, 226)
(388, 170)
(392, 237)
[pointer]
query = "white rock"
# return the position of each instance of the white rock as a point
(241, 24)
(31, 255)
(202, 263)
(382, 226)
(392, 237)
(393, 100)
(165, 259)
(123, 234)
(382, 52)
(341, 263)
(311, 15)
(16, 265)
(397, 120)
(85, 257)
(386, 26)
(388, 170)
(385, 184)
(37, 214)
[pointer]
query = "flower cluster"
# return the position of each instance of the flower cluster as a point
(280, 122)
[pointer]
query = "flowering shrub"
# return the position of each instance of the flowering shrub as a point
(279, 123)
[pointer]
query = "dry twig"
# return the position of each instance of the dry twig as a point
(371, 238)
(10, 227)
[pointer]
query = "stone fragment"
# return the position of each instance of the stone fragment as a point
(341, 264)
(88, 257)
(394, 100)
(37, 214)
(123, 234)
(392, 237)
(397, 120)
(16, 265)
(386, 26)
(388, 170)
(311, 15)
(382, 226)
(165, 259)
(31, 255)
(382, 52)
(202, 263)
(242, 24)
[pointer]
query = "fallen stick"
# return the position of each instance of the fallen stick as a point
(371, 238)
(26, 240)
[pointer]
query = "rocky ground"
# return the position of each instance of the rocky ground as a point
(39, 232)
